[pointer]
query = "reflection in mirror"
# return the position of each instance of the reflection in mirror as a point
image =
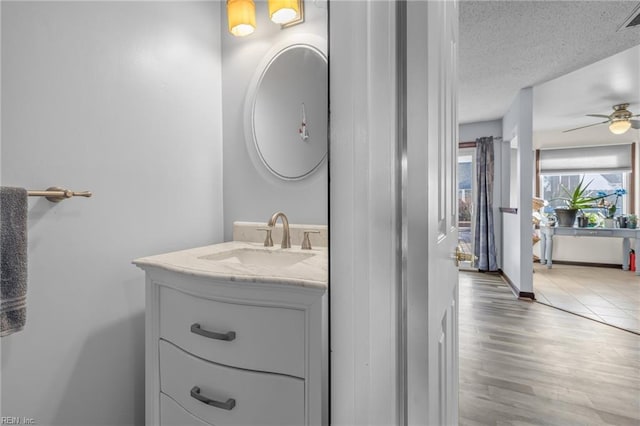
(288, 120)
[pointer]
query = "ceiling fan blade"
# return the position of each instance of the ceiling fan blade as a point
(583, 127)
(597, 115)
(635, 124)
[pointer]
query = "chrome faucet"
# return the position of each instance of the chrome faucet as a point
(286, 237)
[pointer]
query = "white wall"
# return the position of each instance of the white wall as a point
(517, 228)
(586, 249)
(122, 99)
(251, 193)
(469, 132)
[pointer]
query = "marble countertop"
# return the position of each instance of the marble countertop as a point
(311, 272)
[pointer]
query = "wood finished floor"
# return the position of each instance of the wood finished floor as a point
(524, 363)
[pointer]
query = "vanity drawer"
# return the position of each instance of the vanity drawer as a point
(171, 414)
(252, 398)
(266, 338)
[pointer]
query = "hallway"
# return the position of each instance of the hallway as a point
(527, 363)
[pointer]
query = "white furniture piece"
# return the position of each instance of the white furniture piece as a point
(547, 233)
(235, 335)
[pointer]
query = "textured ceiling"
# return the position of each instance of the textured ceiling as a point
(562, 103)
(508, 45)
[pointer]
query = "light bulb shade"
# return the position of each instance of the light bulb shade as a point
(619, 127)
(283, 11)
(241, 15)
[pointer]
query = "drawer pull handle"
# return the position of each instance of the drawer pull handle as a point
(228, 405)
(229, 336)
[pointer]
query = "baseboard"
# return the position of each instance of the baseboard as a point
(590, 264)
(527, 295)
(516, 292)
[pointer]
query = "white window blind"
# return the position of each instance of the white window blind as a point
(601, 159)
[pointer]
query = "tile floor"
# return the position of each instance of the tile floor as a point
(608, 295)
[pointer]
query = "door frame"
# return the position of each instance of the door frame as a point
(368, 241)
(365, 253)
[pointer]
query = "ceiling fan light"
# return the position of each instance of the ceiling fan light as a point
(619, 127)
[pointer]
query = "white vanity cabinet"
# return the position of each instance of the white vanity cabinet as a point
(236, 351)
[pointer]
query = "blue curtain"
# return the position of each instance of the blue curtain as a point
(485, 245)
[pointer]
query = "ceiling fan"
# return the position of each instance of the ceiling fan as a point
(619, 120)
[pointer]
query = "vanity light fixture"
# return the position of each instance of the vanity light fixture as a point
(241, 15)
(285, 12)
(618, 127)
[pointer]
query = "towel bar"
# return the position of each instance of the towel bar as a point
(56, 194)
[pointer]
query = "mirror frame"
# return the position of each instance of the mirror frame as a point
(310, 41)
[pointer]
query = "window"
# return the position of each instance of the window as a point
(551, 188)
(465, 189)
(604, 169)
(466, 199)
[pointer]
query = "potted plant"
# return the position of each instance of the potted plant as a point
(574, 201)
(594, 219)
(610, 207)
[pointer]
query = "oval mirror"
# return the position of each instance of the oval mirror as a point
(289, 112)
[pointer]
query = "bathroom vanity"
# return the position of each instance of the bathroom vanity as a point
(236, 335)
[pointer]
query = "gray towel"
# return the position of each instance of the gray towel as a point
(13, 254)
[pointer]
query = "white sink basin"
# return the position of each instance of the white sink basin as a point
(257, 257)
(242, 261)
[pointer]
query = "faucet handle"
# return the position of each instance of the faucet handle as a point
(268, 242)
(306, 243)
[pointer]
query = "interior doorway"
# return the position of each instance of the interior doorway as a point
(466, 204)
